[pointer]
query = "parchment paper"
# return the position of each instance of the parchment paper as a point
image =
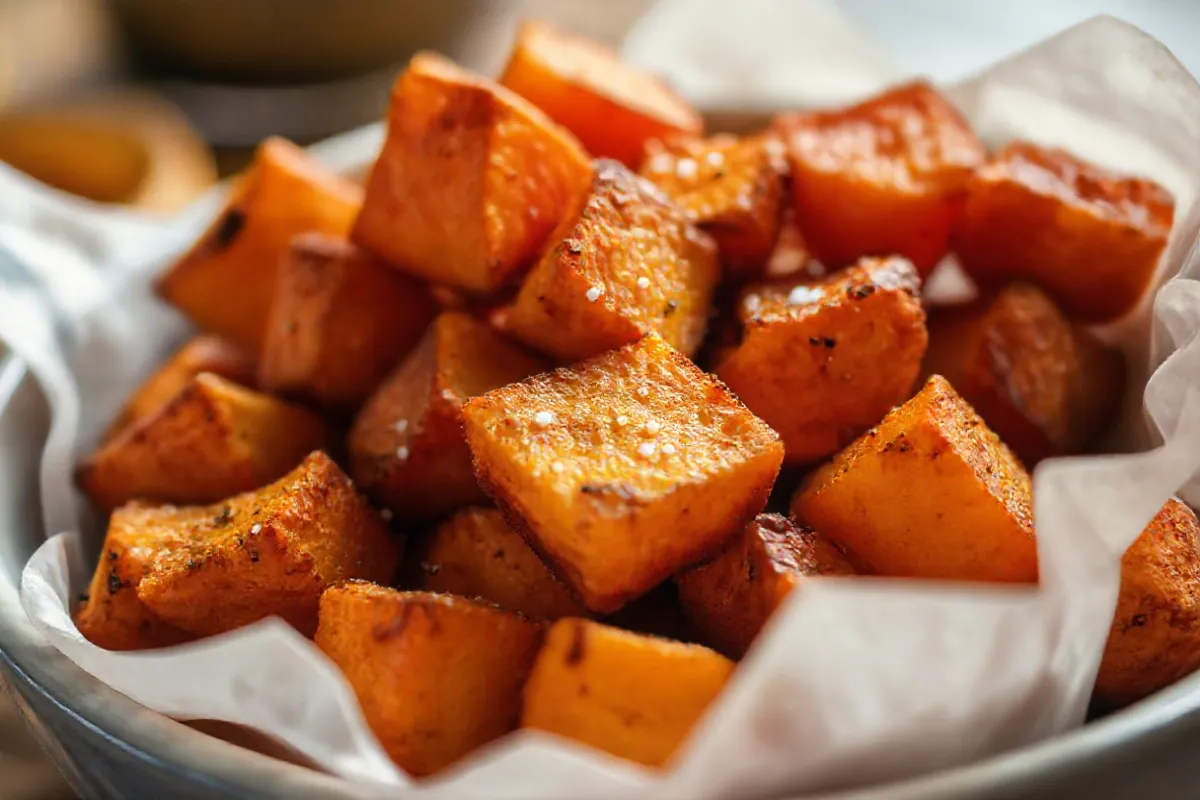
(853, 682)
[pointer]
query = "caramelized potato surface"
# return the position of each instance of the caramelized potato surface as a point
(1091, 238)
(634, 696)
(624, 468)
(436, 675)
(613, 107)
(929, 493)
(470, 181)
(226, 282)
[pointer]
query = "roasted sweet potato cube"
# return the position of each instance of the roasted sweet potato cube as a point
(213, 439)
(822, 361)
(340, 322)
(436, 675)
(731, 597)
(929, 493)
(1090, 237)
(200, 354)
(634, 696)
(406, 447)
(624, 468)
(111, 615)
(270, 552)
(884, 177)
(470, 181)
(476, 553)
(626, 262)
(225, 283)
(732, 188)
(613, 107)
(1045, 386)
(1155, 635)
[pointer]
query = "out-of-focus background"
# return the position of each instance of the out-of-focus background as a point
(146, 103)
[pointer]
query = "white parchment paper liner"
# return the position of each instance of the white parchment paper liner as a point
(854, 681)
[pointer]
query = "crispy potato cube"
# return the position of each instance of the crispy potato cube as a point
(622, 469)
(436, 675)
(732, 188)
(822, 361)
(731, 597)
(267, 552)
(1090, 237)
(340, 322)
(634, 696)
(471, 179)
(476, 553)
(613, 107)
(1045, 386)
(112, 616)
(226, 282)
(1155, 635)
(884, 177)
(626, 262)
(213, 439)
(406, 447)
(200, 354)
(930, 493)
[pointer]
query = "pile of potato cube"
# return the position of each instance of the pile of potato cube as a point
(539, 427)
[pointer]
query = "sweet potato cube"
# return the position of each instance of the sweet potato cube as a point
(406, 447)
(625, 263)
(634, 696)
(1090, 237)
(613, 107)
(822, 361)
(267, 552)
(476, 553)
(624, 468)
(731, 188)
(340, 322)
(471, 179)
(1044, 385)
(1155, 635)
(731, 597)
(930, 493)
(112, 616)
(436, 675)
(200, 354)
(225, 283)
(884, 177)
(213, 439)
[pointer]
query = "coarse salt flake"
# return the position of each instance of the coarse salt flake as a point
(593, 294)
(805, 295)
(668, 449)
(646, 449)
(543, 418)
(255, 528)
(401, 426)
(715, 159)
(642, 391)
(402, 453)
(686, 168)
(556, 467)
(653, 426)
(643, 282)
(622, 421)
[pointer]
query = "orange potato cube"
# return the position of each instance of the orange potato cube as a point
(340, 322)
(613, 107)
(636, 697)
(406, 447)
(476, 553)
(730, 598)
(200, 354)
(623, 468)
(731, 188)
(822, 361)
(226, 282)
(626, 262)
(1090, 237)
(112, 616)
(213, 439)
(471, 179)
(884, 177)
(930, 493)
(437, 676)
(270, 552)
(1045, 386)
(1155, 635)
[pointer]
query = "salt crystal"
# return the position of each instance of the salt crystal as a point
(402, 453)
(543, 418)
(805, 295)
(715, 158)
(556, 467)
(255, 528)
(686, 168)
(652, 426)
(646, 449)
(593, 294)
(401, 426)
(668, 449)
(643, 282)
